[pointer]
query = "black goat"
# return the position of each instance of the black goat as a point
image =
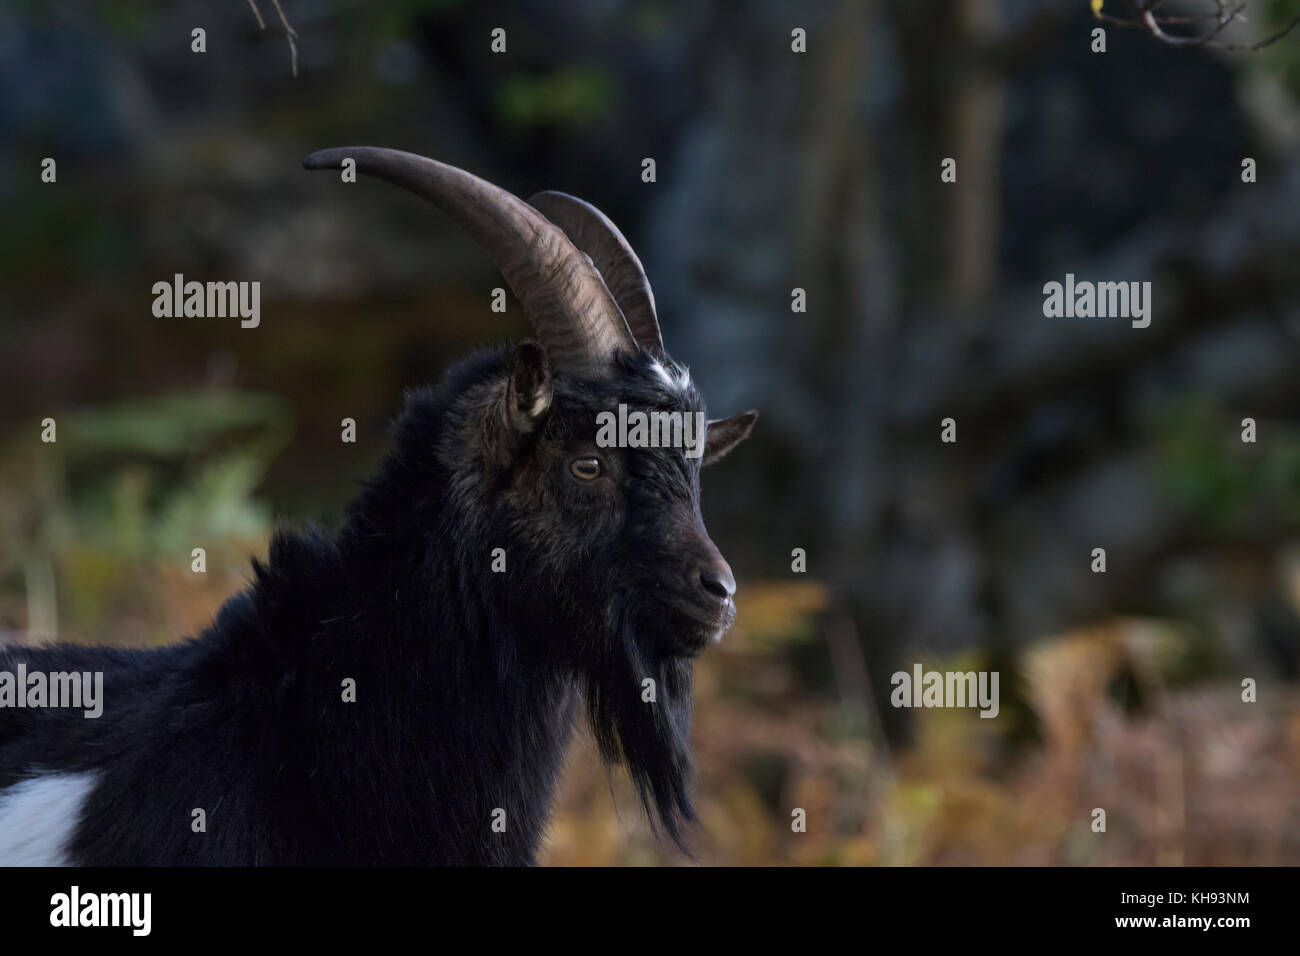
(386, 696)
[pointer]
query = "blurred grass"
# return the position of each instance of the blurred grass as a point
(1190, 776)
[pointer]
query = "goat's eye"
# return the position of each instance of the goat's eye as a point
(585, 468)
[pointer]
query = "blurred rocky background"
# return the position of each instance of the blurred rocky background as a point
(775, 170)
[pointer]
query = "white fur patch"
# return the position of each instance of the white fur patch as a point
(38, 817)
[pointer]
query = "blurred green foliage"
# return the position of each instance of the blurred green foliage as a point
(159, 475)
(1207, 468)
(575, 95)
(1283, 56)
(97, 529)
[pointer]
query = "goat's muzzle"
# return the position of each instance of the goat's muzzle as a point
(703, 600)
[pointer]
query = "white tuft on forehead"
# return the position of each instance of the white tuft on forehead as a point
(674, 377)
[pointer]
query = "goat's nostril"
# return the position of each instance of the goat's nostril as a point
(718, 582)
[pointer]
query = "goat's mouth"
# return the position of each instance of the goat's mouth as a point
(696, 624)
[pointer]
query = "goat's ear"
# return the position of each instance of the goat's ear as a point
(529, 391)
(725, 434)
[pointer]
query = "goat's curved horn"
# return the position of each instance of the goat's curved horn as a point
(573, 313)
(593, 233)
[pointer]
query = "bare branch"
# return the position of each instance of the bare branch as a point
(290, 33)
(1142, 15)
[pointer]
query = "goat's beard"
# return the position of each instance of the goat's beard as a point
(651, 739)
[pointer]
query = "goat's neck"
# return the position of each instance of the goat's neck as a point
(458, 722)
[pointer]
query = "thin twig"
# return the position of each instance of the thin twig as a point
(290, 33)
(1295, 21)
